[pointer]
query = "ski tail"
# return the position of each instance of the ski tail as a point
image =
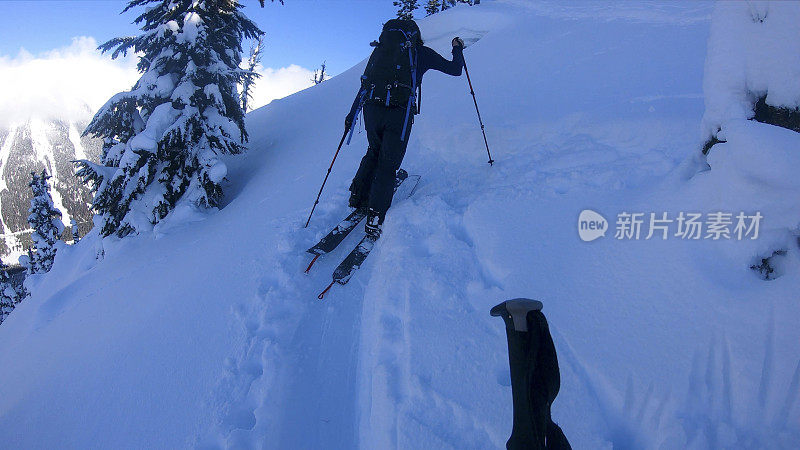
(351, 263)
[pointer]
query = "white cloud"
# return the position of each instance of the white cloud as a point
(58, 83)
(278, 83)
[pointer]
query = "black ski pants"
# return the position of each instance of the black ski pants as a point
(374, 180)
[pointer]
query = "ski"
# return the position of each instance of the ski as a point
(335, 237)
(338, 233)
(356, 257)
(353, 261)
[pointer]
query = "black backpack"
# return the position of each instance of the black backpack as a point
(390, 76)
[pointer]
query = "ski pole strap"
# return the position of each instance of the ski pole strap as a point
(352, 127)
(361, 100)
(419, 99)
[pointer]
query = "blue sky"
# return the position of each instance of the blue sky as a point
(49, 63)
(302, 32)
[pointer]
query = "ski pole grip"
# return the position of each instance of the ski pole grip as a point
(535, 378)
(515, 312)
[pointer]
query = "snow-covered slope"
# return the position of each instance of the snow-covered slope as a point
(209, 335)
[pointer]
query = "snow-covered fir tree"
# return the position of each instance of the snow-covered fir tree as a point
(434, 6)
(319, 75)
(10, 295)
(45, 220)
(163, 138)
(7, 302)
(406, 8)
(250, 75)
(76, 236)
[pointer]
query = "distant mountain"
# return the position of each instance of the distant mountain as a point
(34, 145)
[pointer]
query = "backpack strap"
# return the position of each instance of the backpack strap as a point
(413, 60)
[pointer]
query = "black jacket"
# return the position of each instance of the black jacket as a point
(427, 58)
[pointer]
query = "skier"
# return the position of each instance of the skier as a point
(388, 96)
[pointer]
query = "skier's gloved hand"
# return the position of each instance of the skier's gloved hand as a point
(458, 42)
(348, 122)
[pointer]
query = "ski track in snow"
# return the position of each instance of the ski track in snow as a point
(299, 353)
(303, 357)
(367, 368)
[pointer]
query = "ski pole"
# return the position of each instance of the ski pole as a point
(341, 142)
(472, 91)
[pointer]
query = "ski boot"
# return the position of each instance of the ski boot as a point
(373, 224)
(357, 199)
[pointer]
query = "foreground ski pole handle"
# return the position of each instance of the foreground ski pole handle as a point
(535, 379)
(480, 120)
(341, 142)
